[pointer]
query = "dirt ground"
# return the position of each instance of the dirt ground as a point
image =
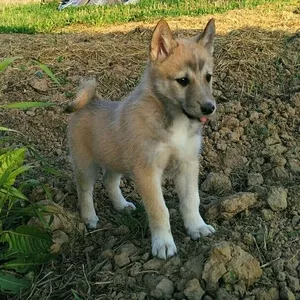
(252, 146)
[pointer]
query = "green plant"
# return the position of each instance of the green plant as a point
(22, 247)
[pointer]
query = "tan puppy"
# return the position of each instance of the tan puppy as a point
(158, 124)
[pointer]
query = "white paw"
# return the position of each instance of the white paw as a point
(198, 232)
(124, 205)
(90, 221)
(163, 245)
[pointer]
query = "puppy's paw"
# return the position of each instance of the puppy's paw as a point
(201, 231)
(163, 245)
(90, 221)
(124, 206)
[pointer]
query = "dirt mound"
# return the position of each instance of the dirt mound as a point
(253, 144)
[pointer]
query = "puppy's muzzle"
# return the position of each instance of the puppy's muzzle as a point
(208, 108)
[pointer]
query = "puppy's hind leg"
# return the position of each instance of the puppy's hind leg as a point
(111, 182)
(85, 179)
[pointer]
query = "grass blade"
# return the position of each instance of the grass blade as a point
(7, 129)
(7, 61)
(48, 72)
(26, 105)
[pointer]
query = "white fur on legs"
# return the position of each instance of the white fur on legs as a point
(163, 245)
(187, 188)
(85, 184)
(112, 184)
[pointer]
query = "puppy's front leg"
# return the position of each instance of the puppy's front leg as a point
(148, 183)
(187, 187)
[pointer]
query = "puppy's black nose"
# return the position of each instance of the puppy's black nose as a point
(208, 108)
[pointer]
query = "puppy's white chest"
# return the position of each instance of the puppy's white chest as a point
(182, 139)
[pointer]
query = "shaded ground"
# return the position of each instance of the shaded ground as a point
(256, 131)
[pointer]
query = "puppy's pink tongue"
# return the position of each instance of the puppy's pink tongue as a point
(203, 119)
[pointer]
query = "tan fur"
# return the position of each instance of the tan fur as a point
(158, 123)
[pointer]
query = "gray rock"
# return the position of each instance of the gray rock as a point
(294, 165)
(267, 214)
(286, 294)
(153, 264)
(128, 248)
(255, 179)
(222, 294)
(277, 198)
(293, 283)
(193, 290)
(193, 268)
(267, 294)
(163, 290)
(122, 259)
(216, 182)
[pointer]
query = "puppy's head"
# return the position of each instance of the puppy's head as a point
(181, 70)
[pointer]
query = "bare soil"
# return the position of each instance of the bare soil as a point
(253, 142)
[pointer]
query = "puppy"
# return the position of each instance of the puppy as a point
(157, 125)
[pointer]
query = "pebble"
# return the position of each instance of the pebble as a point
(277, 199)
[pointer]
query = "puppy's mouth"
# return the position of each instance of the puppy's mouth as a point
(202, 119)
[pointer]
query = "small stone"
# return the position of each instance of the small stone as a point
(107, 253)
(163, 290)
(193, 268)
(122, 259)
(128, 248)
(39, 85)
(277, 199)
(228, 207)
(267, 294)
(286, 294)
(121, 230)
(193, 290)
(267, 214)
(142, 296)
(294, 165)
(222, 294)
(293, 283)
(281, 276)
(153, 264)
(255, 179)
(216, 182)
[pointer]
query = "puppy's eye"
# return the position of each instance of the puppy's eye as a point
(208, 77)
(184, 81)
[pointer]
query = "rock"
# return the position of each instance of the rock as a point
(255, 179)
(163, 290)
(233, 158)
(121, 230)
(293, 283)
(267, 214)
(171, 266)
(291, 266)
(267, 294)
(294, 165)
(228, 207)
(122, 259)
(280, 173)
(286, 294)
(153, 264)
(216, 182)
(230, 258)
(277, 199)
(128, 248)
(193, 268)
(142, 296)
(135, 269)
(39, 85)
(222, 294)
(193, 290)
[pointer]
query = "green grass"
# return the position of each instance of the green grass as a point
(34, 18)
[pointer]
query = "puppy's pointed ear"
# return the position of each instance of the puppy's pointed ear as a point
(207, 36)
(162, 42)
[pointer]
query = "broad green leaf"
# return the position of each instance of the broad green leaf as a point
(11, 284)
(47, 71)
(7, 61)
(26, 105)
(12, 191)
(23, 264)
(28, 240)
(9, 162)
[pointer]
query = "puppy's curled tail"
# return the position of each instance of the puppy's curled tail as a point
(85, 94)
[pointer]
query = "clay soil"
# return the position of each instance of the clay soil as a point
(253, 142)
